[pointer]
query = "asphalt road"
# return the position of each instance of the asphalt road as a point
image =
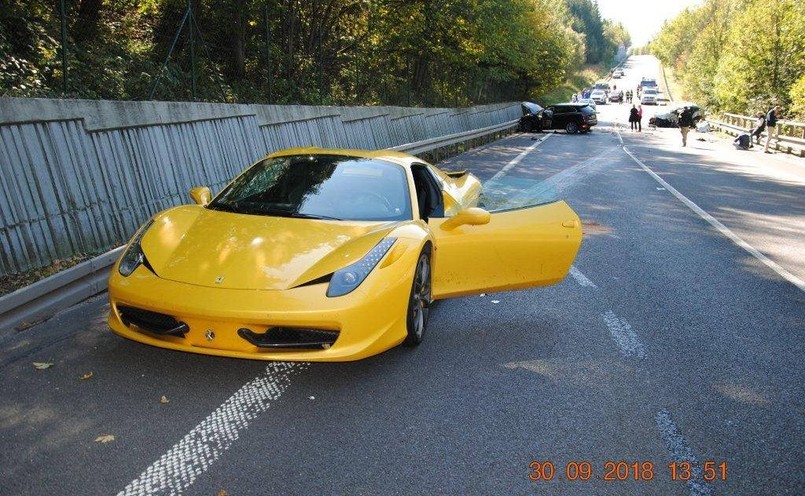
(672, 344)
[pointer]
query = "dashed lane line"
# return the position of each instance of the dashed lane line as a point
(624, 336)
(581, 278)
(682, 453)
(782, 272)
(516, 160)
(177, 469)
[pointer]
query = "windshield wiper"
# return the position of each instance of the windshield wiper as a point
(299, 215)
(296, 215)
(225, 207)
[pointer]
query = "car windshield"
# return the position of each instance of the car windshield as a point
(515, 191)
(650, 91)
(331, 187)
(530, 108)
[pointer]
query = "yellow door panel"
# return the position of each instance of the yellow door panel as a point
(517, 249)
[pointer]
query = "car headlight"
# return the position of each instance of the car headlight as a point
(134, 256)
(345, 281)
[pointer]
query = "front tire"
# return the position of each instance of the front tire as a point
(419, 301)
(572, 128)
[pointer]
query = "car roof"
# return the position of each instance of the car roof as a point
(577, 105)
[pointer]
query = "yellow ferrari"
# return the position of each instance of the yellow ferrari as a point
(330, 255)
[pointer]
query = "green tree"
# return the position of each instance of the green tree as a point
(763, 57)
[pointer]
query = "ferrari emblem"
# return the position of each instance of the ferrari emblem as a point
(210, 335)
(219, 279)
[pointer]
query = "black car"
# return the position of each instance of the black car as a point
(572, 117)
(531, 121)
(671, 118)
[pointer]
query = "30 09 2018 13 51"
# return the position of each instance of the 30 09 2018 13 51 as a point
(618, 471)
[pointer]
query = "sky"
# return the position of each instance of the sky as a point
(643, 18)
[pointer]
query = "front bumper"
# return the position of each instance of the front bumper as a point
(368, 321)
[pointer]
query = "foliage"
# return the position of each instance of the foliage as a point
(797, 95)
(738, 55)
(601, 37)
(410, 52)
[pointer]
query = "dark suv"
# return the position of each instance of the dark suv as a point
(572, 117)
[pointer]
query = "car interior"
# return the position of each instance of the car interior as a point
(428, 193)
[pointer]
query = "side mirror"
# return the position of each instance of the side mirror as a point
(201, 195)
(471, 216)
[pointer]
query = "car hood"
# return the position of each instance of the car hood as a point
(530, 108)
(196, 245)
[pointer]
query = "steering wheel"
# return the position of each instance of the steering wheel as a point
(371, 200)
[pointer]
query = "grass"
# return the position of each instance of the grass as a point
(674, 87)
(12, 282)
(575, 82)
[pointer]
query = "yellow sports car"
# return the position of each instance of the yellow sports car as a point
(330, 255)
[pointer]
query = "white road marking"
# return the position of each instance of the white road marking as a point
(516, 160)
(624, 336)
(681, 452)
(581, 278)
(796, 281)
(177, 469)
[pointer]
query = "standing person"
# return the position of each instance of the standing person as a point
(771, 123)
(573, 98)
(685, 123)
(633, 117)
(639, 118)
(760, 126)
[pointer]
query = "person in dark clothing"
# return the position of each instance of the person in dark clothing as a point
(771, 123)
(633, 117)
(760, 126)
(685, 123)
(743, 142)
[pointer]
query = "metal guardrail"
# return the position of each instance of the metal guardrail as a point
(735, 124)
(42, 299)
(449, 140)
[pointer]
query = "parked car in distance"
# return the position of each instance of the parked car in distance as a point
(649, 96)
(532, 117)
(602, 85)
(599, 96)
(572, 117)
(616, 96)
(618, 73)
(648, 83)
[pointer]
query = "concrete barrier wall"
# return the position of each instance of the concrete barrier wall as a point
(79, 176)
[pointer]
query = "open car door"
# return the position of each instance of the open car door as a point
(525, 243)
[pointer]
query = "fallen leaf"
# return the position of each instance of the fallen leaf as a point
(86, 376)
(223, 493)
(495, 301)
(42, 365)
(106, 438)
(164, 400)
(311, 397)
